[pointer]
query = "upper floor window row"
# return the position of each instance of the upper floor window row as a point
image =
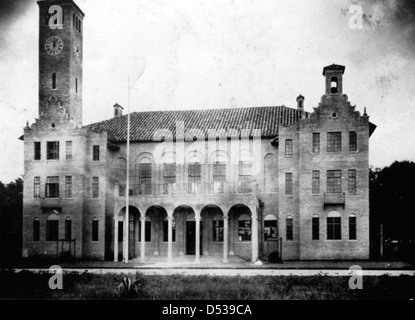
(52, 150)
(334, 142)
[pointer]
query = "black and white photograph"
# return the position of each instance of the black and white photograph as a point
(219, 151)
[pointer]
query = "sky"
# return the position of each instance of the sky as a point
(199, 54)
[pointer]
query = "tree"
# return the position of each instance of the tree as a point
(11, 209)
(392, 190)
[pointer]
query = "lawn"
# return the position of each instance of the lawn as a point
(27, 285)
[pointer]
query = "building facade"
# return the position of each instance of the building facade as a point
(246, 182)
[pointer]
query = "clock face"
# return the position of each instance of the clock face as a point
(77, 52)
(54, 46)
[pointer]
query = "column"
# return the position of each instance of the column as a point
(170, 239)
(115, 239)
(254, 239)
(225, 238)
(143, 239)
(197, 218)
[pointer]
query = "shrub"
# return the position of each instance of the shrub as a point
(132, 287)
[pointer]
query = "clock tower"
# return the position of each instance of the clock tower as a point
(60, 58)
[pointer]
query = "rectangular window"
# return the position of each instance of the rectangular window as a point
(352, 228)
(68, 229)
(219, 177)
(316, 182)
(95, 153)
(52, 150)
(52, 230)
(316, 142)
(245, 179)
(37, 151)
(147, 234)
(316, 228)
(244, 230)
(76, 85)
(68, 187)
(95, 187)
(195, 178)
(169, 178)
(288, 184)
(68, 150)
(53, 81)
(36, 188)
(334, 142)
(288, 147)
(334, 181)
(52, 187)
(270, 229)
(166, 231)
(120, 231)
(352, 181)
(352, 141)
(95, 229)
(36, 230)
(334, 228)
(289, 229)
(218, 230)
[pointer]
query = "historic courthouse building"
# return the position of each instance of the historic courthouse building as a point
(243, 182)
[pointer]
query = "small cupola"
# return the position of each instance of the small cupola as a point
(334, 79)
(118, 110)
(300, 103)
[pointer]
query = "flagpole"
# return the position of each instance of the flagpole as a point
(127, 182)
(127, 192)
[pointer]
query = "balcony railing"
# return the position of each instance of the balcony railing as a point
(334, 199)
(191, 188)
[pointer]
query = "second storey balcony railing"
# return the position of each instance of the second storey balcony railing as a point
(189, 189)
(334, 199)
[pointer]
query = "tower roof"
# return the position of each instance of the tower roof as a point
(334, 67)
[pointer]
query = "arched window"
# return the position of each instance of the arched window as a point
(68, 228)
(352, 227)
(194, 175)
(334, 226)
(244, 228)
(52, 228)
(315, 227)
(270, 227)
(147, 233)
(36, 229)
(95, 230)
(218, 228)
(333, 85)
(289, 228)
(145, 173)
(166, 230)
(169, 175)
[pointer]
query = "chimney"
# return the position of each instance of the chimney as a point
(117, 110)
(300, 103)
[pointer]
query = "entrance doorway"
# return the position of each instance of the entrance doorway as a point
(191, 237)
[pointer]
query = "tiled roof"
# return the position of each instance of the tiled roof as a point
(144, 125)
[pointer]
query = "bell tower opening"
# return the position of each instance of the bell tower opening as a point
(334, 79)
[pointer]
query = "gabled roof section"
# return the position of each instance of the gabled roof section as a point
(145, 125)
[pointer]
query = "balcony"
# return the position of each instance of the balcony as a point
(189, 189)
(333, 199)
(51, 203)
